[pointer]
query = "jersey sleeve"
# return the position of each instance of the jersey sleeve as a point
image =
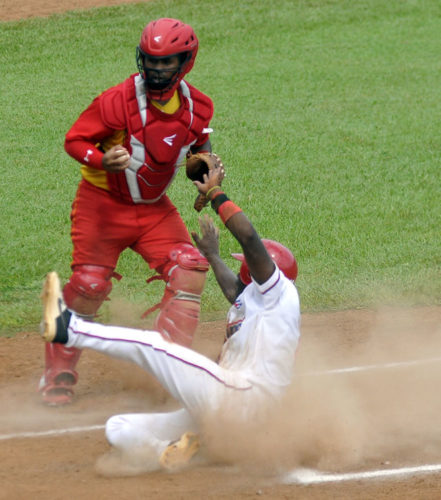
(279, 294)
(85, 135)
(279, 328)
(270, 289)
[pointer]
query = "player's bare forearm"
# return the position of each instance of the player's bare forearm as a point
(228, 281)
(259, 262)
(208, 245)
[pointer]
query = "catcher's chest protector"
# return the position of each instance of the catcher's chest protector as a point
(157, 142)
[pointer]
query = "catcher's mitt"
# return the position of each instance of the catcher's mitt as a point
(196, 166)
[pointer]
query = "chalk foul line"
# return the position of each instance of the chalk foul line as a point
(310, 476)
(54, 432)
(385, 366)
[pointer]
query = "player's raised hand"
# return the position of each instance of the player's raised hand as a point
(208, 244)
(116, 159)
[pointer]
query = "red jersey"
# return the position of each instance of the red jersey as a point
(157, 142)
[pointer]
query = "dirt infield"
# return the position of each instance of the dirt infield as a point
(11, 10)
(377, 418)
(382, 415)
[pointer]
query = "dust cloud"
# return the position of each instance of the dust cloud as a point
(387, 411)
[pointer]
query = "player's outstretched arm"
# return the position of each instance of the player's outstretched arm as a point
(208, 245)
(259, 263)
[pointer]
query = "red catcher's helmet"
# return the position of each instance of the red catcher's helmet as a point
(162, 38)
(281, 255)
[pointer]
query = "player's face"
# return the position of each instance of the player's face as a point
(161, 69)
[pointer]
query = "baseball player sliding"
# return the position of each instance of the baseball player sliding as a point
(256, 362)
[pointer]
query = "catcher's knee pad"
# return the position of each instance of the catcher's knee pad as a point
(181, 303)
(60, 375)
(87, 289)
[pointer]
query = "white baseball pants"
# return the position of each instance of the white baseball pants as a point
(197, 382)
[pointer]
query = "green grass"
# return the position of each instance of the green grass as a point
(326, 115)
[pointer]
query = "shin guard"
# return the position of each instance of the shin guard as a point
(60, 375)
(180, 306)
(84, 293)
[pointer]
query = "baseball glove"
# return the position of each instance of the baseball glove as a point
(196, 166)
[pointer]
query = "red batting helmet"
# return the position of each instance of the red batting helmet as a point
(164, 38)
(281, 255)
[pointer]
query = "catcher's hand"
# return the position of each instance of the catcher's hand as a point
(199, 164)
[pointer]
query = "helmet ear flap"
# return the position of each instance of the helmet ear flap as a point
(244, 274)
(283, 257)
(140, 61)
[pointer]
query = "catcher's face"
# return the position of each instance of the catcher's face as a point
(160, 71)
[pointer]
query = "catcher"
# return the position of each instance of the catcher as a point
(130, 142)
(257, 358)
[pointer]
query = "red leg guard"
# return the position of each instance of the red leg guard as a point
(181, 303)
(59, 376)
(84, 293)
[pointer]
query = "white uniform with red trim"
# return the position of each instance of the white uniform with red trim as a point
(255, 366)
